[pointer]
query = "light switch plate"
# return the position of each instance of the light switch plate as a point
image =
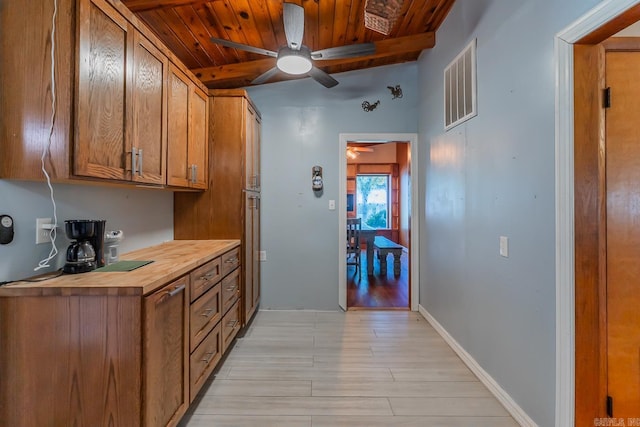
(262, 255)
(332, 205)
(504, 246)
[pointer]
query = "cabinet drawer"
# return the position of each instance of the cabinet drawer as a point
(230, 325)
(230, 261)
(204, 314)
(230, 290)
(203, 360)
(205, 277)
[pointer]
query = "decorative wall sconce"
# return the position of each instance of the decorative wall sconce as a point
(316, 179)
(368, 107)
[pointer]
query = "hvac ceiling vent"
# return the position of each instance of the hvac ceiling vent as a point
(460, 87)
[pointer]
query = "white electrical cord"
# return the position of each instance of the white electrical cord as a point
(52, 233)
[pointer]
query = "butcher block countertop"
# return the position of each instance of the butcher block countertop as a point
(171, 260)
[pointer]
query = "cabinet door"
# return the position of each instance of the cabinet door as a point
(178, 128)
(197, 157)
(251, 294)
(165, 354)
(104, 50)
(255, 238)
(148, 111)
(252, 149)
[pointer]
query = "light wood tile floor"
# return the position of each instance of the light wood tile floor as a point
(354, 369)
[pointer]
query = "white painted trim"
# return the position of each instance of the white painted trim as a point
(412, 139)
(565, 226)
(503, 397)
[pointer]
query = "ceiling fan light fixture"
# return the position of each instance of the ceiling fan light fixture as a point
(294, 62)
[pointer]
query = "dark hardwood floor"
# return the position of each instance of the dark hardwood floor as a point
(376, 291)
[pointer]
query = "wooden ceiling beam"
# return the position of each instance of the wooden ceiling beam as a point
(146, 5)
(251, 69)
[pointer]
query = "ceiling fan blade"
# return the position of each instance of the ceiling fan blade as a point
(246, 47)
(362, 149)
(323, 78)
(264, 77)
(293, 17)
(349, 51)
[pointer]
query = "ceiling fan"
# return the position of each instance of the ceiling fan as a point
(296, 58)
(354, 151)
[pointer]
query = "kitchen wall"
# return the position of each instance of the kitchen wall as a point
(302, 121)
(145, 216)
(494, 176)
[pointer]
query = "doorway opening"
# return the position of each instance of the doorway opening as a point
(378, 187)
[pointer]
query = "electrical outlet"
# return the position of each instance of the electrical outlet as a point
(42, 233)
(262, 255)
(504, 246)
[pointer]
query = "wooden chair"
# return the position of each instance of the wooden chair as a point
(354, 225)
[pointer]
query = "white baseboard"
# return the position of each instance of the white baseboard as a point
(503, 397)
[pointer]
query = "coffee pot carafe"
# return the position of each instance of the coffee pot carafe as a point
(86, 253)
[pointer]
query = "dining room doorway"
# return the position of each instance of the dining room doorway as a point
(377, 186)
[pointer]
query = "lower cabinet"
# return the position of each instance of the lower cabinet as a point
(166, 371)
(115, 355)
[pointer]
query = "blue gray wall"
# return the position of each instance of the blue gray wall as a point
(494, 176)
(301, 125)
(145, 216)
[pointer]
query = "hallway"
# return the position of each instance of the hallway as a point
(363, 368)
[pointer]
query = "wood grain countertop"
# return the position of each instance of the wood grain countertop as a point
(170, 261)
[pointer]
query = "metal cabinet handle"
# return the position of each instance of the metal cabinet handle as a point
(232, 323)
(194, 173)
(208, 358)
(232, 260)
(140, 162)
(230, 288)
(176, 291)
(208, 312)
(134, 153)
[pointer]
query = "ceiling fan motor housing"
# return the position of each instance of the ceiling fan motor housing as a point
(292, 61)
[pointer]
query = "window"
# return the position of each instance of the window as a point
(373, 200)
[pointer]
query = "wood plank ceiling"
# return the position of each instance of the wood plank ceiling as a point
(185, 26)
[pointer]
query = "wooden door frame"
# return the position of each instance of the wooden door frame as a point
(414, 250)
(580, 199)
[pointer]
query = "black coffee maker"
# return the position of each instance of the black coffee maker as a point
(86, 253)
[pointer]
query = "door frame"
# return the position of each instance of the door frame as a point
(602, 21)
(412, 139)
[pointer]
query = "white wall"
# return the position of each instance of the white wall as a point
(493, 176)
(302, 121)
(145, 216)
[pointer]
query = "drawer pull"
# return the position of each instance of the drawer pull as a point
(209, 275)
(232, 260)
(232, 323)
(230, 288)
(208, 312)
(208, 358)
(176, 291)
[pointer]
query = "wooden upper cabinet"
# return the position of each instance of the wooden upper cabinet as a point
(252, 148)
(187, 130)
(104, 52)
(198, 154)
(121, 99)
(148, 112)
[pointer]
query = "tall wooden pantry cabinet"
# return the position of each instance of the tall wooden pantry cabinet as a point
(230, 208)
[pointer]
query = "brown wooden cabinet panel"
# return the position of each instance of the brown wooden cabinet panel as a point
(230, 290)
(70, 360)
(198, 120)
(148, 111)
(229, 209)
(103, 92)
(178, 128)
(166, 374)
(230, 325)
(204, 360)
(205, 313)
(187, 145)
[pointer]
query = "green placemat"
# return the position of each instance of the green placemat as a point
(123, 266)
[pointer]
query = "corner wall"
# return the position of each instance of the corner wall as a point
(301, 125)
(494, 176)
